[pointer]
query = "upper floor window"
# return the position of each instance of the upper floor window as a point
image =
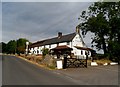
(57, 44)
(68, 43)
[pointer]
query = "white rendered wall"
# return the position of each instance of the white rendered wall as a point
(53, 46)
(77, 41)
(47, 46)
(64, 43)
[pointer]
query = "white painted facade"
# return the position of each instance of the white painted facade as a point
(77, 41)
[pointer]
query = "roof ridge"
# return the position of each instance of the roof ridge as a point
(53, 37)
(62, 35)
(64, 38)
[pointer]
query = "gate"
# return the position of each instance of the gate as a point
(75, 62)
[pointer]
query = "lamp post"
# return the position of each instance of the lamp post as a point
(27, 43)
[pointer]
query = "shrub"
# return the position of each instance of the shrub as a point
(45, 51)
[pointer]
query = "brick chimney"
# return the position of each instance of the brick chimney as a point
(59, 34)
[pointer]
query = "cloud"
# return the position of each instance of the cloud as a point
(51, 0)
(0, 21)
(39, 20)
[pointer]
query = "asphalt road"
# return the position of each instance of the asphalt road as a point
(97, 75)
(19, 72)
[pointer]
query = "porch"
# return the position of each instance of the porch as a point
(68, 60)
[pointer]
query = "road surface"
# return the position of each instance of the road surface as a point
(19, 72)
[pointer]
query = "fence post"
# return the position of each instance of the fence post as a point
(65, 61)
(86, 53)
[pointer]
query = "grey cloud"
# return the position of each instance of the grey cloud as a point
(37, 21)
(0, 21)
(50, 0)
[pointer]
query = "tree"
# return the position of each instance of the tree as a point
(3, 47)
(103, 19)
(11, 47)
(21, 45)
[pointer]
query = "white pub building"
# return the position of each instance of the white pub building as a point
(72, 41)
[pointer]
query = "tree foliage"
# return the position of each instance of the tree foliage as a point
(45, 51)
(3, 47)
(11, 46)
(14, 46)
(103, 20)
(21, 45)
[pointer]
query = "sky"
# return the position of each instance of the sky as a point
(50, 0)
(37, 21)
(0, 21)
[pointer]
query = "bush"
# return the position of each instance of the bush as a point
(103, 61)
(99, 56)
(45, 51)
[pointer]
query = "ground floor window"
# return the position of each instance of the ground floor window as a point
(37, 51)
(81, 52)
(88, 53)
(49, 46)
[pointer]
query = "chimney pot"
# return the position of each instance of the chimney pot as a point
(59, 34)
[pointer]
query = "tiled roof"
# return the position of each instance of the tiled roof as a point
(62, 47)
(64, 38)
(83, 48)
